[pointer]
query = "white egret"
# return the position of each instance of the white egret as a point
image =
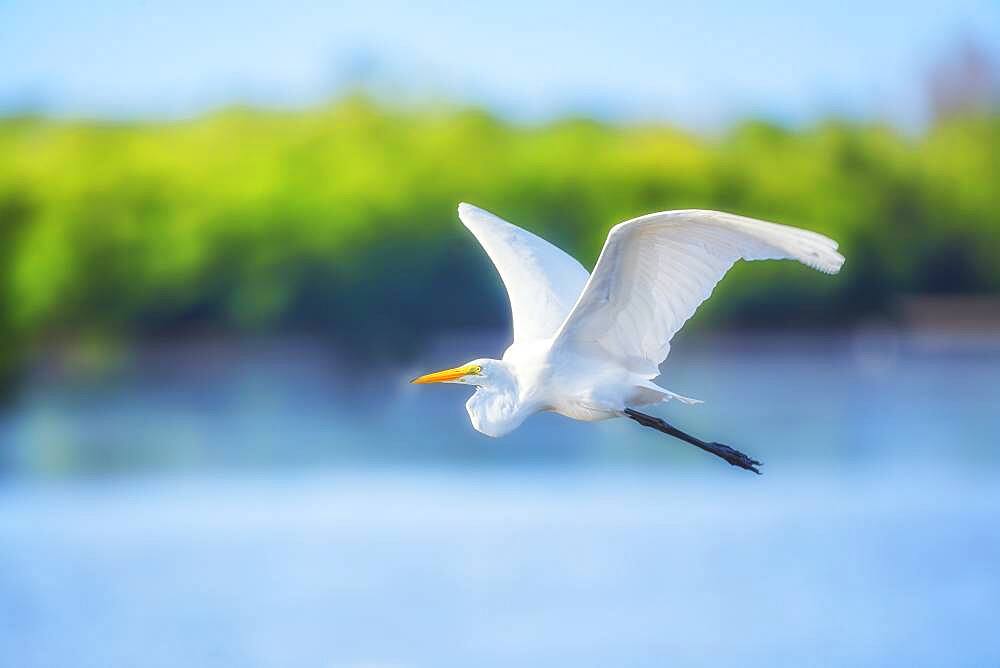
(589, 346)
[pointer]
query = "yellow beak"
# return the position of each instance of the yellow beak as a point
(446, 375)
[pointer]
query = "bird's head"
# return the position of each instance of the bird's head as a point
(477, 372)
(494, 408)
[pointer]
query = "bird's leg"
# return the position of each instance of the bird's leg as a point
(734, 457)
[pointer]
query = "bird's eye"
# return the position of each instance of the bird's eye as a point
(478, 370)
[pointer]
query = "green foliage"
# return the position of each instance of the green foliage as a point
(342, 219)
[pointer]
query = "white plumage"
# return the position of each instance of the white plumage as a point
(656, 270)
(542, 281)
(588, 347)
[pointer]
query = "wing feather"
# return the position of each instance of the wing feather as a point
(543, 282)
(654, 272)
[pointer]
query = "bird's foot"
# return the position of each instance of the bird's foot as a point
(733, 456)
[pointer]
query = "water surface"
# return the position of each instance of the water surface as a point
(270, 508)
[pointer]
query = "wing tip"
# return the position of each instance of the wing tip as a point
(470, 215)
(839, 262)
(466, 209)
(829, 262)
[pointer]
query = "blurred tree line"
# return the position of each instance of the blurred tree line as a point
(341, 220)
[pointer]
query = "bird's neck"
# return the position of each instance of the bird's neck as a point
(496, 408)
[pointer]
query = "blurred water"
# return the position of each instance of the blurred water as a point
(293, 511)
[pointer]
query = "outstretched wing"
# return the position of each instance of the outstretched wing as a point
(542, 281)
(654, 272)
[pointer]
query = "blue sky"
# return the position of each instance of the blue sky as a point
(700, 64)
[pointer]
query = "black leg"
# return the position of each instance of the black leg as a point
(734, 457)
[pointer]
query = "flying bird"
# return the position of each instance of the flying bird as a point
(588, 346)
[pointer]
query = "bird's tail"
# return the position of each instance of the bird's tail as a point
(651, 393)
(681, 398)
